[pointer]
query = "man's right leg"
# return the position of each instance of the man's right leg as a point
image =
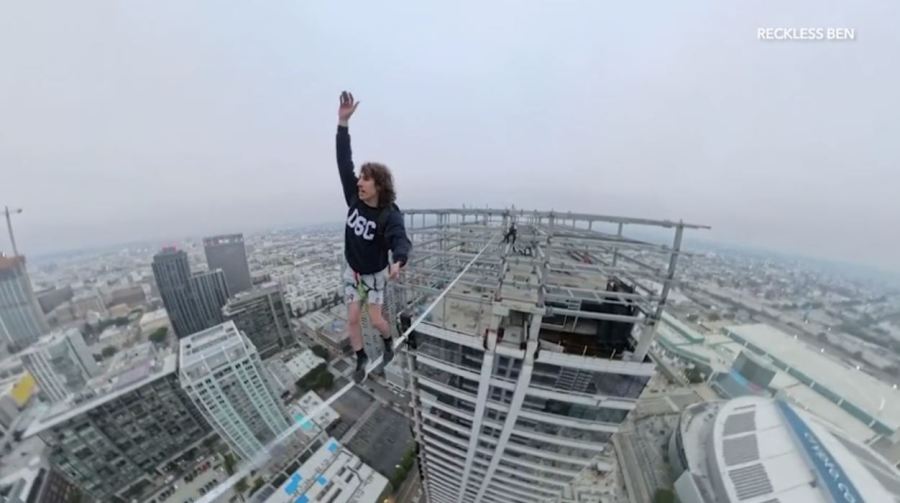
(354, 327)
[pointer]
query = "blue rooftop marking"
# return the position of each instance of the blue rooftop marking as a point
(292, 486)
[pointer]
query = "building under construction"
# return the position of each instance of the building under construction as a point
(531, 351)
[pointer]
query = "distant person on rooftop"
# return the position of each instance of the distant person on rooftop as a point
(374, 227)
(510, 235)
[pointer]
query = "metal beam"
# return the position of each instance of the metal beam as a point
(586, 217)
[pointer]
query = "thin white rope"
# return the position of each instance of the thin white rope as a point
(262, 456)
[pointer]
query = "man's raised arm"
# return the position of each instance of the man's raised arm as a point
(342, 144)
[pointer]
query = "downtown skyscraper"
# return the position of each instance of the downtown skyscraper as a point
(534, 357)
(194, 301)
(21, 319)
(227, 252)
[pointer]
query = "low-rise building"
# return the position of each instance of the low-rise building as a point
(332, 474)
(312, 412)
(113, 439)
(15, 394)
(132, 295)
(88, 301)
(153, 321)
(327, 328)
(114, 336)
(396, 376)
(764, 449)
(761, 359)
(37, 483)
(286, 370)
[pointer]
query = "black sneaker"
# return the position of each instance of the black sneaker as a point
(359, 375)
(388, 354)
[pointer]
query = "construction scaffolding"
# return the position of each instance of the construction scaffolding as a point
(586, 275)
(566, 284)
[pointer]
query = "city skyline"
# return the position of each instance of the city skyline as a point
(581, 252)
(782, 147)
(733, 324)
(694, 243)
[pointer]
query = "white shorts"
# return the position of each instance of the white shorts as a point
(364, 287)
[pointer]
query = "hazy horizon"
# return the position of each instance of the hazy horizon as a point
(127, 122)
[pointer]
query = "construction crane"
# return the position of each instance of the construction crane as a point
(12, 239)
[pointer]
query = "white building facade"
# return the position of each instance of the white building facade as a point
(535, 353)
(61, 363)
(221, 371)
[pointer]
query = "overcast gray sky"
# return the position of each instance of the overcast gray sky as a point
(130, 120)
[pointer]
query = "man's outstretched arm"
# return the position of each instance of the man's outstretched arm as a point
(398, 241)
(342, 143)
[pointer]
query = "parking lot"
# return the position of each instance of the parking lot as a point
(351, 407)
(382, 440)
(385, 435)
(192, 485)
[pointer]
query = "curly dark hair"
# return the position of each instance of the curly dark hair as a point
(384, 182)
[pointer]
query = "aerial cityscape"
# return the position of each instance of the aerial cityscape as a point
(471, 252)
(554, 350)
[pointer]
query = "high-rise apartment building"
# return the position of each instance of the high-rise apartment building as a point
(210, 293)
(61, 363)
(227, 252)
(113, 439)
(194, 301)
(532, 360)
(262, 315)
(221, 371)
(21, 318)
(173, 273)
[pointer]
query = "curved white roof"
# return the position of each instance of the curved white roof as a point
(766, 450)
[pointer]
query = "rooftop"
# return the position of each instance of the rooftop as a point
(762, 450)
(223, 239)
(23, 463)
(7, 262)
(589, 279)
(875, 398)
(200, 345)
(129, 371)
(332, 474)
(153, 316)
(257, 291)
(311, 403)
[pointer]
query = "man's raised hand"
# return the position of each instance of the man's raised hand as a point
(347, 107)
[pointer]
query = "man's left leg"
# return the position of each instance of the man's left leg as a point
(377, 319)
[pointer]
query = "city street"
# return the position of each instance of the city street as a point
(638, 492)
(410, 488)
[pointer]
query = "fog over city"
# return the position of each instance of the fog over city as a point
(133, 121)
(531, 251)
